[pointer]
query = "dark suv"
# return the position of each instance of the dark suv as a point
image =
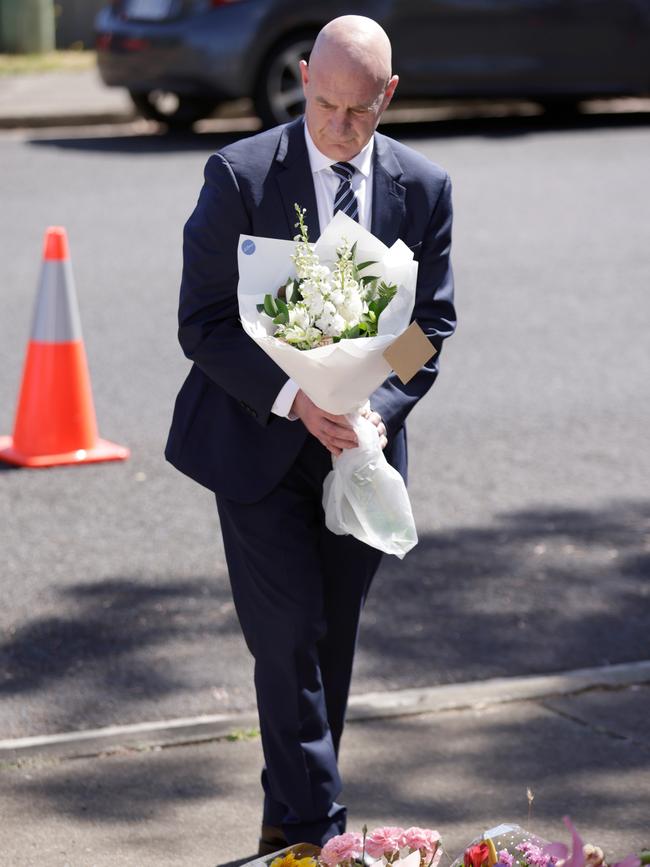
(180, 58)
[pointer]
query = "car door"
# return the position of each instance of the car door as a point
(597, 46)
(467, 47)
(517, 47)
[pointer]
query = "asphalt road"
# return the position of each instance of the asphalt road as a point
(529, 459)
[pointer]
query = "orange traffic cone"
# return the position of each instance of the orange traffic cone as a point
(55, 420)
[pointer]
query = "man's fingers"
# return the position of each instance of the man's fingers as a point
(330, 446)
(335, 432)
(335, 438)
(340, 435)
(337, 419)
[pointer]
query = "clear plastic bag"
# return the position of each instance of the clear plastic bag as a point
(365, 497)
(506, 836)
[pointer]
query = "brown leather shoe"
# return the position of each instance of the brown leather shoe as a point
(272, 839)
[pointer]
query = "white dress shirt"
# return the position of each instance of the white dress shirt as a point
(326, 183)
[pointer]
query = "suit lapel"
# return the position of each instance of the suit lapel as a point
(388, 196)
(295, 180)
(296, 185)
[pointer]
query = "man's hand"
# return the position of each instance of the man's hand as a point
(333, 431)
(375, 418)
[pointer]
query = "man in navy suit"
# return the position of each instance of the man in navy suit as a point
(246, 431)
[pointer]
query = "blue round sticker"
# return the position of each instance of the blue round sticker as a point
(248, 247)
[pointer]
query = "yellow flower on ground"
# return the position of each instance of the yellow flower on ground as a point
(290, 860)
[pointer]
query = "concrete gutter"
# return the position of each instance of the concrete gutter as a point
(368, 706)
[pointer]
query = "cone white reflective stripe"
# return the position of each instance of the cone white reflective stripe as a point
(56, 314)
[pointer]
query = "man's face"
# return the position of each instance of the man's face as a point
(342, 110)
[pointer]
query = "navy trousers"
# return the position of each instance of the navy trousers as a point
(298, 590)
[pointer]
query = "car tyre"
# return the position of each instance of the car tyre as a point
(178, 111)
(560, 107)
(278, 96)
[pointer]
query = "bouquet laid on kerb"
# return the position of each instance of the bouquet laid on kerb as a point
(335, 316)
(507, 845)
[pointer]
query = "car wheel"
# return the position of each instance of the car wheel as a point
(560, 107)
(178, 111)
(278, 94)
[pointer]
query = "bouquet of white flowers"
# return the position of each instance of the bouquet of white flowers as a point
(322, 305)
(327, 327)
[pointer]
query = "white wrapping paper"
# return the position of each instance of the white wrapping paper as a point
(340, 377)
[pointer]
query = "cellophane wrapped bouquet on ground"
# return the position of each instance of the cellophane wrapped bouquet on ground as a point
(506, 845)
(510, 845)
(326, 313)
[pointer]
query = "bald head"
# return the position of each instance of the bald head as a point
(347, 84)
(356, 43)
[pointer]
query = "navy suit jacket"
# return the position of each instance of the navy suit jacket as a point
(223, 433)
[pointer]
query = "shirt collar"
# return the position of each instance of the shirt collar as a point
(318, 161)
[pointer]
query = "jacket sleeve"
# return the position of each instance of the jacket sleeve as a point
(434, 312)
(210, 331)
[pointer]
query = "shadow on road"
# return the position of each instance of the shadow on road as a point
(118, 636)
(119, 790)
(537, 591)
(492, 758)
(143, 144)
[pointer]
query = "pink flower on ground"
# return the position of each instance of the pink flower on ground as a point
(384, 841)
(345, 847)
(428, 842)
(576, 858)
(505, 858)
(534, 856)
(422, 838)
(561, 852)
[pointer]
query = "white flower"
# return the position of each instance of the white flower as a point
(320, 273)
(331, 324)
(314, 304)
(352, 309)
(304, 259)
(299, 317)
(304, 338)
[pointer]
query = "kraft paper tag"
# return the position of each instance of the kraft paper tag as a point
(409, 352)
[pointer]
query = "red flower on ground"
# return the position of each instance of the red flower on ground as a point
(476, 856)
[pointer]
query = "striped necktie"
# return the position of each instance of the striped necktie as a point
(345, 200)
